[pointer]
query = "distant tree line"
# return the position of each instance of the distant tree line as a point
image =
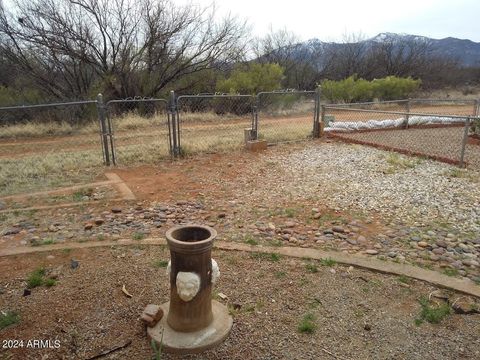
(73, 49)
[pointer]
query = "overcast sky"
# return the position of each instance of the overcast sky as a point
(329, 20)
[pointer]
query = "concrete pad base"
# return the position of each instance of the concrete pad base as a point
(256, 145)
(193, 342)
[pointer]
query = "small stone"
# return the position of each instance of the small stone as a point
(351, 241)
(441, 243)
(457, 264)
(148, 320)
(438, 251)
(222, 296)
(392, 254)
(221, 215)
(99, 221)
(11, 231)
(362, 239)
(465, 305)
(338, 229)
(289, 224)
(371, 252)
(422, 244)
(74, 263)
(151, 315)
(431, 233)
(471, 262)
(88, 226)
(317, 216)
(367, 327)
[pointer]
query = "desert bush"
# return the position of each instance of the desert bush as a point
(353, 89)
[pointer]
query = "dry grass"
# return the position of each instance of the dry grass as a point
(35, 129)
(48, 171)
(40, 165)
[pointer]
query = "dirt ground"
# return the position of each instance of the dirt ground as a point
(357, 314)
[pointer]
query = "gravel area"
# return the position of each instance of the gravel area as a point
(444, 143)
(399, 188)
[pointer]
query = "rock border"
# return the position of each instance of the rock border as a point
(465, 286)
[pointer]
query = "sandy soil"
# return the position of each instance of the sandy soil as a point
(357, 314)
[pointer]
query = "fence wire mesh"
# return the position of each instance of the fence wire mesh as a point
(140, 130)
(441, 137)
(285, 116)
(213, 122)
(48, 145)
(444, 107)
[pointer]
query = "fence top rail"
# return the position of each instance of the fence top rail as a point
(471, 117)
(213, 96)
(405, 101)
(19, 107)
(116, 101)
(370, 103)
(282, 92)
(445, 100)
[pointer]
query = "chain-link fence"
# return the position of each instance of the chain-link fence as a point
(62, 143)
(441, 137)
(467, 107)
(139, 128)
(286, 115)
(48, 144)
(213, 122)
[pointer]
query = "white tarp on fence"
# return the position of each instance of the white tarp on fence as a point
(389, 123)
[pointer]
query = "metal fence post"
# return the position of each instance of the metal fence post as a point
(407, 115)
(103, 130)
(316, 115)
(464, 142)
(173, 126)
(254, 133)
(322, 121)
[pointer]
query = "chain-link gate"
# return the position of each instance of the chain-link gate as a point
(212, 122)
(139, 130)
(287, 115)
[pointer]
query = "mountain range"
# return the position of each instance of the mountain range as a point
(466, 52)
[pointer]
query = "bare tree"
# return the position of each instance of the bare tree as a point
(298, 59)
(347, 58)
(73, 47)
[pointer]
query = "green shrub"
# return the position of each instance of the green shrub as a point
(353, 89)
(307, 324)
(432, 314)
(36, 278)
(8, 318)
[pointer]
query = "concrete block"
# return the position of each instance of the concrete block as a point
(256, 145)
